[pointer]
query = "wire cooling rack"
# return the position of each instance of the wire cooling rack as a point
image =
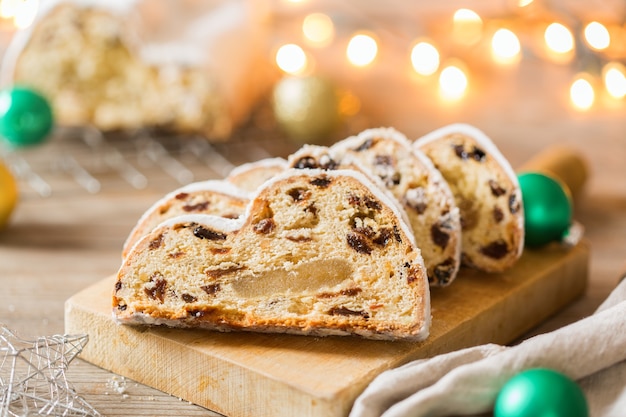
(85, 160)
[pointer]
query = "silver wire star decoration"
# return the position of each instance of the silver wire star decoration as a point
(32, 376)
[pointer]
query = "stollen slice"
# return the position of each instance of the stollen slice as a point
(317, 253)
(487, 193)
(216, 197)
(386, 155)
(251, 175)
(425, 196)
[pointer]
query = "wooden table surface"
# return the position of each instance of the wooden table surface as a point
(58, 245)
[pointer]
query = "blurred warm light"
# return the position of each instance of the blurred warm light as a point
(8, 7)
(362, 50)
(524, 3)
(425, 58)
(614, 77)
(291, 58)
(318, 29)
(597, 35)
(453, 82)
(582, 93)
(467, 26)
(24, 13)
(466, 15)
(505, 46)
(559, 38)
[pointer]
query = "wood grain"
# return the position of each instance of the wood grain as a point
(247, 374)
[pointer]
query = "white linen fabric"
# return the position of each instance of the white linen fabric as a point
(591, 351)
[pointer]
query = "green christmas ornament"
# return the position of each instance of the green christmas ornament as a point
(547, 209)
(306, 108)
(541, 392)
(25, 116)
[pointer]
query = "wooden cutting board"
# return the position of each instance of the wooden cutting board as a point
(248, 374)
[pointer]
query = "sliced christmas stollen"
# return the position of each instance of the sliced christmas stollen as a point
(224, 198)
(317, 253)
(251, 175)
(215, 197)
(487, 193)
(416, 184)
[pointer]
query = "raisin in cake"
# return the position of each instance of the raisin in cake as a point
(251, 175)
(317, 253)
(316, 157)
(215, 197)
(323, 157)
(487, 193)
(412, 179)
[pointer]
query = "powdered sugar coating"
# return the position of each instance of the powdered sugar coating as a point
(218, 186)
(420, 189)
(489, 245)
(261, 163)
(479, 136)
(245, 241)
(220, 224)
(251, 175)
(379, 193)
(212, 186)
(228, 225)
(328, 158)
(393, 134)
(322, 154)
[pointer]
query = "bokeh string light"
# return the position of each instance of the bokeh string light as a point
(506, 47)
(291, 59)
(425, 58)
(362, 50)
(566, 39)
(318, 29)
(614, 76)
(597, 36)
(582, 92)
(453, 82)
(559, 39)
(467, 27)
(470, 40)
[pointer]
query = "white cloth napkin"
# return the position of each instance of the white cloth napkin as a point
(591, 351)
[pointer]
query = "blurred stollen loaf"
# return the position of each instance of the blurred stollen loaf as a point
(181, 66)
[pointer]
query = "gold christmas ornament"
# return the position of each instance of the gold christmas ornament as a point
(306, 108)
(8, 195)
